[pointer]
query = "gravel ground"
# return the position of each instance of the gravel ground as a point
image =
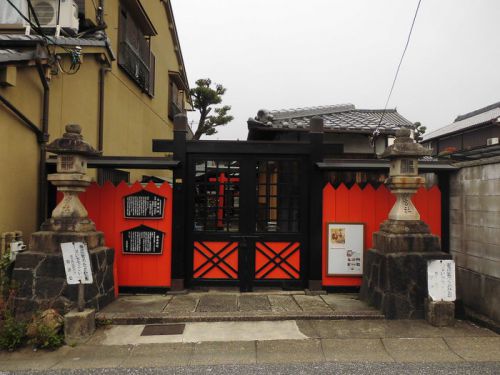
(483, 368)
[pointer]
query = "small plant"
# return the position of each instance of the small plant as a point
(46, 338)
(44, 331)
(12, 332)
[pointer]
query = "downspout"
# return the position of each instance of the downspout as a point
(100, 135)
(42, 140)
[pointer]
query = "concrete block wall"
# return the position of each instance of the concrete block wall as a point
(475, 235)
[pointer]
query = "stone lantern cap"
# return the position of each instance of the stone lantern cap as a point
(72, 143)
(404, 146)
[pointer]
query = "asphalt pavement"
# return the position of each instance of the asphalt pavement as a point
(485, 368)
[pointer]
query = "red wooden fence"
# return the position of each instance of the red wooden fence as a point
(371, 207)
(105, 207)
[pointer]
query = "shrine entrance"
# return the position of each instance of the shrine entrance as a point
(247, 220)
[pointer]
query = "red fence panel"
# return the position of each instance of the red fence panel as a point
(370, 207)
(105, 207)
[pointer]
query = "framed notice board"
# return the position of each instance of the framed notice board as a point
(345, 247)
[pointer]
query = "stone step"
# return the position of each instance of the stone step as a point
(103, 318)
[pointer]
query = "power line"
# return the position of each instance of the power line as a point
(397, 70)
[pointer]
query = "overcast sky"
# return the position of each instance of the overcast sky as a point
(281, 54)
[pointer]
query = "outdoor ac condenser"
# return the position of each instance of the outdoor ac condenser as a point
(10, 16)
(47, 14)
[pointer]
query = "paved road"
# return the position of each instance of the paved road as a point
(485, 368)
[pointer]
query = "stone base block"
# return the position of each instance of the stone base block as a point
(79, 326)
(50, 242)
(177, 285)
(396, 283)
(405, 236)
(68, 224)
(41, 281)
(316, 285)
(440, 313)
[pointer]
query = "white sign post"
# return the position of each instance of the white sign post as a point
(77, 266)
(441, 280)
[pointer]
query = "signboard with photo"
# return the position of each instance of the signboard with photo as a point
(345, 243)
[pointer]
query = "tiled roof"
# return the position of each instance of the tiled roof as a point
(21, 39)
(14, 55)
(481, 116)
(343, 118)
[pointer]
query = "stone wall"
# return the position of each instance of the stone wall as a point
(40, 278)
(475, 235)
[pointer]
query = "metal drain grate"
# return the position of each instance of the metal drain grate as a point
(163, 329)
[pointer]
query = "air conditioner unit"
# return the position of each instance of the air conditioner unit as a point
(492, 141)
(10, 17)
(47, 14)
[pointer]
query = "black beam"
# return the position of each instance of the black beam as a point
(315, 194)
(444, 186)
(127, 162)
(246, 147)
(363, 164)
(179, 203)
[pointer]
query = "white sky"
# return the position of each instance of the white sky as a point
(278, 54)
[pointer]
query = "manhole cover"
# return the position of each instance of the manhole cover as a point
(163, 329)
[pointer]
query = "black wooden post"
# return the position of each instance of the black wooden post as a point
(315, 203)
(179, 205)
(444, 186)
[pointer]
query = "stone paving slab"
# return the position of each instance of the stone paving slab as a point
(289, 351)
(354, 350)
(232, 306)
(218, 303)
(419, 350)
(312, 304)
(183, 304)
(249, 302)
(140, 304)
(476, 348)
(346, 302)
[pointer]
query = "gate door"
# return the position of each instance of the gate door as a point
(246, 221)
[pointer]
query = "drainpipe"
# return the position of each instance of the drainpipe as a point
(100, 135)
(42, 140)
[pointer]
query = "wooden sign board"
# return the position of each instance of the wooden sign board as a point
(142, 240)
(143, 205)
(76, 263)
(345, 243)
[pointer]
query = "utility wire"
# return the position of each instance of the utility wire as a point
(75, 54)
(377, 131)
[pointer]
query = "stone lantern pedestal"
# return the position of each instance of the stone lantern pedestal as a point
(39, 272)
(395, 269)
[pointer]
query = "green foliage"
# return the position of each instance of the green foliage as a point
(204, 97)
(419, 131)
(12, 332)
(46, 338)
(5, 274)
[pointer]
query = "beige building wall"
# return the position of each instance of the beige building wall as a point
(131, 117)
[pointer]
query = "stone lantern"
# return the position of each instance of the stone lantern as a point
(39, 272)
(395, 269)
(404, 180)
(71, 179)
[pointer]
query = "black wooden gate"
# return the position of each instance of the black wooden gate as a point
(247, 219)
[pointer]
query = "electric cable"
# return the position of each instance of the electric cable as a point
(376, 132)
(75, 54)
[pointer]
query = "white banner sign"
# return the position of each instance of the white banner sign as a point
(76, 263)
(441, 280)
(345, 249)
